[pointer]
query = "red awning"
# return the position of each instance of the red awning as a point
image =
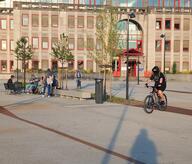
(132, 52)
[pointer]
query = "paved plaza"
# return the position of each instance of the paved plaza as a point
(56, 130)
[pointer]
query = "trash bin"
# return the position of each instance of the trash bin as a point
(99, 91)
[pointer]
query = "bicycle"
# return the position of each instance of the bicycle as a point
(152, 101)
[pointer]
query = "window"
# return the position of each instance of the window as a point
(80, 43)
(45, 43)
(53, 41)
(186, 24)
(158, 24)
(177, 24)
(158, 45)
(80, 21)
(3, 24)
(3, 65)
(11, 24)
(54, 20)
(11, 45)
(176, 45)
(3, 45)
(71, 21)
(98, 44)
(186, 45)
(167, 24)
(35, 20)
(90, 43)
(45, 21)
(25, 20)
(71, 43)
(90, 22)
(35, 43)
(167, 45)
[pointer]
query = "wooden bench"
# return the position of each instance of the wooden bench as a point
(74, 94)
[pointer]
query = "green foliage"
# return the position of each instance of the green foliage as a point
(23, 51)
(61, 50)
(174, 69)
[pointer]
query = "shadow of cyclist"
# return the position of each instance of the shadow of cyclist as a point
(144, 149)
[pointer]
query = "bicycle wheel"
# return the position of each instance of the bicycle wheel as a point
(148, 104)
(164, 106)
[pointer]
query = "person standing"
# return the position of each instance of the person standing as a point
(78, 78)
(49, 82)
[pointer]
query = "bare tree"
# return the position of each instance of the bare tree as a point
(61, 52)
(107, 46)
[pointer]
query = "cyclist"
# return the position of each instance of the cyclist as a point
(160, 82)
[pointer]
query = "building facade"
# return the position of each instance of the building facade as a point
(42, 23)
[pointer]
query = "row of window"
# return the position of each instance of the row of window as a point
(45, 43)
(176, 48)
(4, 25)
(177, 24)
(54, 21)
(45, 64)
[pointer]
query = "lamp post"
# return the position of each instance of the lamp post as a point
(130, 15)
(163, 36)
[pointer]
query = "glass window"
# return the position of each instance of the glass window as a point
(169, 3)
(158, 24)
(186, 24)
(71, 43)
(98, 44)
(4, 65)
(90, 22)
(90, 43)
(25, 20)
(167, 45)
(177, 24)
(45, 43)
(71, 21)
(11, 45)
(45, 21)
(80, 21)
(186, 45)
(35, 43)
(158, 45)
(3, 45)
(53, 41)
(3, 24)
(80, 43)
(11, 24)
(176, 45)
(35, 20)
(54, 20)
(168, 24)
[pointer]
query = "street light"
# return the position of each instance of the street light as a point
(130, 15)
(163, 36)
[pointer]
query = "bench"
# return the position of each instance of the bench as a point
(74, 94)
(13, 88)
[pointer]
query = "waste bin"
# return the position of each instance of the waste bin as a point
(99, 91)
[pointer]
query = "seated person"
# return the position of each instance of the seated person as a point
(10, 84)
(31, 87)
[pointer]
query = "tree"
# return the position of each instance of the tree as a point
(61, 52)
(107, 46)
(23, 53)
(174, 68)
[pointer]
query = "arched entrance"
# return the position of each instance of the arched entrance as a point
(135, 49)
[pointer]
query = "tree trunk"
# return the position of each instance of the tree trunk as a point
(66, 79)
(105, 93)
(62, 76)
(24, 73)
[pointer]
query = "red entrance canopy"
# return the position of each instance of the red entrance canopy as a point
(132, 52)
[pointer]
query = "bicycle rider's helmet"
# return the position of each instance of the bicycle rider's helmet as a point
(155, 70)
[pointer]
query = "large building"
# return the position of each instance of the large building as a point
(43, 22)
